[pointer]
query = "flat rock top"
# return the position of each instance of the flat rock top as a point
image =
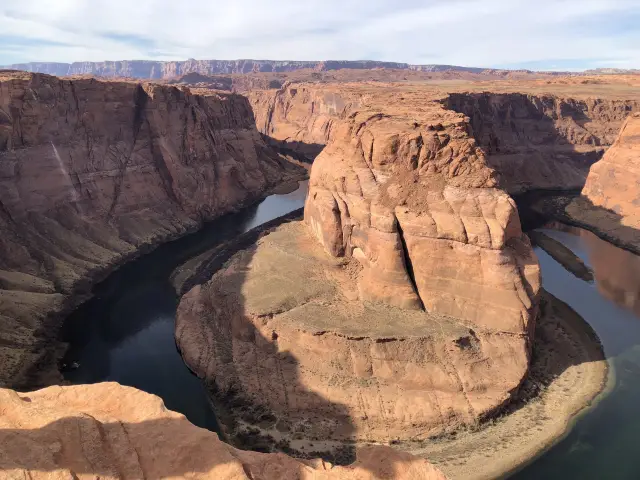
(289, 279)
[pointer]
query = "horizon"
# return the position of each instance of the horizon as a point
(568, 35)
(551, 70)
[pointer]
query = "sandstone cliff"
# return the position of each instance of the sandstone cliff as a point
(405, 304)
(91, 173)
(608, 204)
(533, 140)
(109, 431)
(542, 141)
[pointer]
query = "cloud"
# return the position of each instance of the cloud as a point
(541, 34)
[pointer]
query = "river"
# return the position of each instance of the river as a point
(603, 443)
(125, 334)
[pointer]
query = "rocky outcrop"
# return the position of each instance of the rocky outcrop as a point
(612, 183)
(91, 174)
(289, 351)
(541, 141)
(534, 141)
(405, 304)
(608, 205)
(411, 197)
(113, 432)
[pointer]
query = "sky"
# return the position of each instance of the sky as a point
(532, 34)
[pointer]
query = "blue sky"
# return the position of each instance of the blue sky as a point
(533, 34)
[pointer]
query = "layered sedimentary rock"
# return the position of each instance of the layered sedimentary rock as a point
(91, 173)
(289, 350)
(612, 183)
(109, 431)
(542, 141)
(401, 308)
(157, 69)
(609, 201)
(534, 140)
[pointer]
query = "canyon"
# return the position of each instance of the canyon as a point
(401, 308)
(93, 173)
(409, 202)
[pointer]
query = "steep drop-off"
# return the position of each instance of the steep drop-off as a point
(534, 141)
(91, 174)
(542, 141)
(108, 431)
(610, 199)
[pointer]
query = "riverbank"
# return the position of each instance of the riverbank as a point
(568, 373)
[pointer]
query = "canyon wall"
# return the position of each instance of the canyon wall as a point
(542, 141)
(159, 70)
(91, 174)
(613, 182)
(532, 140)
(609, 202)
(109, 431)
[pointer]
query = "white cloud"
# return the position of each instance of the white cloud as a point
(541, 33)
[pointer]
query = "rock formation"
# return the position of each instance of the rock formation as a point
(148, 69)
(612, 183)
(91, 173)
(109, 431)
(542, 141)
(534, 140)
(609, 201)
(401, 308)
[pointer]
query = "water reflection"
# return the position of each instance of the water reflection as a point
(126, 332)
(603, 443)
(616, 271)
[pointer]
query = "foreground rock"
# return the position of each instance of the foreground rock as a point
(91, 174)
(289, 351)
(109, 431)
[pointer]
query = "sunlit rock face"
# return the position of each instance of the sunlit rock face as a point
(109, 431)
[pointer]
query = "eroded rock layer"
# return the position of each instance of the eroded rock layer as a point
(535, 139)
(290, 351)
(91, 173)
(612, 183)
(109, 431)
(412, 198)
(542, 141)
(403, 306)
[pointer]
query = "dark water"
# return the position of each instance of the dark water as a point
(604, 442)
(126, 332)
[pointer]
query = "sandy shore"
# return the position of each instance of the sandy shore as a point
(568, 373)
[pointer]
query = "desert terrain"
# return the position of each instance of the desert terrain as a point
(400, 324)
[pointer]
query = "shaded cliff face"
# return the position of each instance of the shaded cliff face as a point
(542, 141)
(112, 432)
(92, 173)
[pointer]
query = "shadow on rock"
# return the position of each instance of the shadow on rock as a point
(255, 386)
